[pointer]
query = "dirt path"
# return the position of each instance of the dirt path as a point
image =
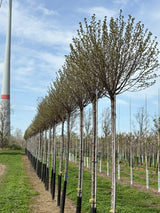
(2, 170)
(43, 202)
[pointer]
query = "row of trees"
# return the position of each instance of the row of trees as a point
(106, 59)
(39, 153)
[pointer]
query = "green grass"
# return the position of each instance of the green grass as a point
(15, 189)
(139, 174)
(16, 192)
(128, 200)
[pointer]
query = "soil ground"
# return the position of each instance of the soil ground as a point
(43, 202)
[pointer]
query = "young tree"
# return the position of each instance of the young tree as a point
(83, 62)
(81, 99)
(122, 56)
(129, 61)
(65, 99)
(57, 108)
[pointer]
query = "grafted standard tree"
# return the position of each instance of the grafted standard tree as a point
(81, 99)
(69, 106)
(57, 109)
(129, 59)
(123, 57)
(80, 56)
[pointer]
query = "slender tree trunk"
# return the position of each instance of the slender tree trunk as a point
(80, 175)
(41, 154)
(131, 148)
(36, 156)
(48, 160)
(107, 155)
(53, 162)
(96, 150)
(131, 159)
(146, 148)
(146, 162)
(60, 166)
(119, 166)
(45, 157)
(93, 184)
(113, 121)
(39, 157)
(44, 160)
(76, 144)
(66, 165)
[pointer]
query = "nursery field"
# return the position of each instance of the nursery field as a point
(18, 192)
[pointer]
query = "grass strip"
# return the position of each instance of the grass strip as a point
(138, 175)
(15, 189)
(128, 200)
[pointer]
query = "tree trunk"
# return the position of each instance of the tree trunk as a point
(146, 162)
(131, 159)
(48, 160)
(107, 143)
(39, 156)
(113, 121)
(93, 184)
(60, 167)
(44, 160)
(66, 165)
(53, 162)
(45, 157)
(119, 166)
(80, 176)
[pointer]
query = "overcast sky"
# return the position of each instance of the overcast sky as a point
(41, 33)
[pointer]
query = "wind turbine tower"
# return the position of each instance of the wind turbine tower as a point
(5, 95)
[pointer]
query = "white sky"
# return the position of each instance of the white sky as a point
(41, 33)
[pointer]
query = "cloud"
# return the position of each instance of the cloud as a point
(34, 67)
(33, 26)
(54, 61)
(100, 12)
(46, 11)
(37, 28)
(121, 2)
(23, 107)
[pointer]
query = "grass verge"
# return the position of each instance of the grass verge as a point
(15, 189)
(128, 200)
